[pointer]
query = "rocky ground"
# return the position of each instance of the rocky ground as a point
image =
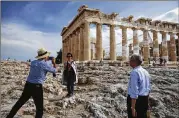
(101, 93)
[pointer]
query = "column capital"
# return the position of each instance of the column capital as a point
(163, 32)
(77, 29)
(143, 29)
(154, 31)
(123, 27)
(67, 37)
(70, 35)
(170, 33)
(82, 26)
(76, 32)
(112, 25)
(134, 28)
(97, 23)
(86, 22)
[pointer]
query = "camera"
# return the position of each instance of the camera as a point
(50, 58)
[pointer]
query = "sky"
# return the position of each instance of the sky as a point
(28, 26)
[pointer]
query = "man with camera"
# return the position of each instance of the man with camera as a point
(33, 87)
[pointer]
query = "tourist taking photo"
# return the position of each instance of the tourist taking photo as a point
(33, 86)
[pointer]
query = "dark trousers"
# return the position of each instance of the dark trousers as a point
(141, 107)
(70, 85)
(30, 90)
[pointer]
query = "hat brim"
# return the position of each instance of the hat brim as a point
(43, 56)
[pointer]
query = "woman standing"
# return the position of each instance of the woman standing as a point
(33, 87)
(70, 74)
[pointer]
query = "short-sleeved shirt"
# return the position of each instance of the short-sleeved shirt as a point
(38, 71)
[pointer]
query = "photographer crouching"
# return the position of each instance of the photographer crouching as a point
(33, 87)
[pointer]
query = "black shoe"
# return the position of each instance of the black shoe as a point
(71, 94)
(68, 95)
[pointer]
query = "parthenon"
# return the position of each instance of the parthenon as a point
(75, 37)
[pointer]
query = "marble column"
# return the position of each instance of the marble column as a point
(92, 51)
(99, 49)
(155, 44)
(124, 43)
(112, 43)
(66, 44)
(77, 45)
(70, 42)
(63, 51)
(135, 41)
(81, 43)
(178, 44)
(146, 45)
(172, 47)
(130, 50)
(74, 46)
(87, 50)
(164, 46)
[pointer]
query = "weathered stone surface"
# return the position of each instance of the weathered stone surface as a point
(102, 94)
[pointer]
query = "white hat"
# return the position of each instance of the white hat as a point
(42, 53)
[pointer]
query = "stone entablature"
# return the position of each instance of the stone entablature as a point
(95, 16)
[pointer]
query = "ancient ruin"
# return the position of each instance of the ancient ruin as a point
(75, 36)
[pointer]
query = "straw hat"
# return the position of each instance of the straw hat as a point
(42, 53)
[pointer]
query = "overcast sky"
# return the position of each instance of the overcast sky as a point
(28, 26)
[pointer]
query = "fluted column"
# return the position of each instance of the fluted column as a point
(99, 49)
(146, 46)
(63, 52)
(112, 43)
(66, 44)
(70, 42)
(178, 44)
(92, 51)
(124, 43)
(81, 43)
(65, 48)
(74, 46)
(172, 47)
(72, 39)
(77, 45)
(130, 50)
(87, 51)
(164, 46)
(155, 44)
(135, 41)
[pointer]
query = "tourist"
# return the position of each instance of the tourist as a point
(164, 62)
(138, 89)
(70, 75)
(33, 87)
(149, 60)
(161, 61)
(101, 62)
(154, 61)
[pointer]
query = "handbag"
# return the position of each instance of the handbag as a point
(64, 76)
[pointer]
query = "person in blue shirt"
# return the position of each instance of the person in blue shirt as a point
(33, 87)
(138, 89)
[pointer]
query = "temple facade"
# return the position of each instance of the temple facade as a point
(75, 36)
